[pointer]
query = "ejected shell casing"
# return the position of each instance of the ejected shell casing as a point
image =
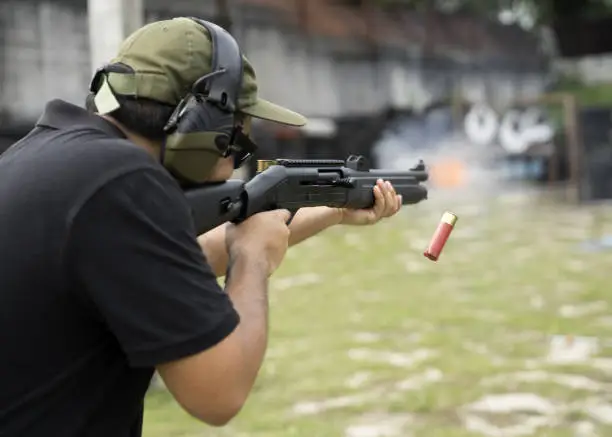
(439, 238)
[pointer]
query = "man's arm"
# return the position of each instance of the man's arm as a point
(214, 384)
(133, 255)
(306, 223)
(251, 262)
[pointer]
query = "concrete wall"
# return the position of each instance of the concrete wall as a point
(589, 69)
(44, 54)
(44, 50)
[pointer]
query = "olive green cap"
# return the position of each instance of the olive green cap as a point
(166, 57)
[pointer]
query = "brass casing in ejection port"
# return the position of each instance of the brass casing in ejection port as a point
(263, 164)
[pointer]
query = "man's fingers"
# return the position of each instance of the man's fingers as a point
(284, 214)
(390, 188)
(390, 199)
(379, 198)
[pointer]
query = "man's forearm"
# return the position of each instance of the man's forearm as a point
(306, 223)
(247, 286)
(214, 248)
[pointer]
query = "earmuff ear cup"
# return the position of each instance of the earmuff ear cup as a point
(202, 127)
(192, 149)
(186, 158)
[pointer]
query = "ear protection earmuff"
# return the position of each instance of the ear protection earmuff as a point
(202, 130)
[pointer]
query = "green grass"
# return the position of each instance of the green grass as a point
(599, 94)
(350, 307)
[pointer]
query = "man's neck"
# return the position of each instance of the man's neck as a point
(150, 146)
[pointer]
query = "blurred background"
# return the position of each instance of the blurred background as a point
(509, 103)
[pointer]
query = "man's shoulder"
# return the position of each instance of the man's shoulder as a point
(119, 165)
(87, 144)
(82, 160)
(89, 153)
(99, 149)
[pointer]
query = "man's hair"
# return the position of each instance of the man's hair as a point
(142, 116)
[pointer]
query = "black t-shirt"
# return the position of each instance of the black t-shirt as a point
(101, 279)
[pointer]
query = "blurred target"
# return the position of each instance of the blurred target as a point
(520, 129)
(510, 134)
(536, 127)
(481, 124)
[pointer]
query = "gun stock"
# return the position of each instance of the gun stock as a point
(294, 184)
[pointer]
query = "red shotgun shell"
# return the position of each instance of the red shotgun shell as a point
(443, 231)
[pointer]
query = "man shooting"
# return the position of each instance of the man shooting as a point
(103, 279)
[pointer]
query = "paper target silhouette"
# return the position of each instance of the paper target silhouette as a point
(515, 131)
(481, 124)
(510, 134)
(536, 126)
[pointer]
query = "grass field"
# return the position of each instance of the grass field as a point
(370, 339)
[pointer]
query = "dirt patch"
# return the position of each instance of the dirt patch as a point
(317, 407)
(396, 359)
(380, 425)
(575, 382)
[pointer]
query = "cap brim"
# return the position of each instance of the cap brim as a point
(272, 112)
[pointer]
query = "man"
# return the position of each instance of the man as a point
(102, 278)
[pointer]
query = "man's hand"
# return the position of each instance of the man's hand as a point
(263, 237)
(386, 204)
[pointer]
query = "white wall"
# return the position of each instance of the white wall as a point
(45, 55)
(590, 69)
(109, 22)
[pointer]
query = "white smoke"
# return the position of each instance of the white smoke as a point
(478, 146)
